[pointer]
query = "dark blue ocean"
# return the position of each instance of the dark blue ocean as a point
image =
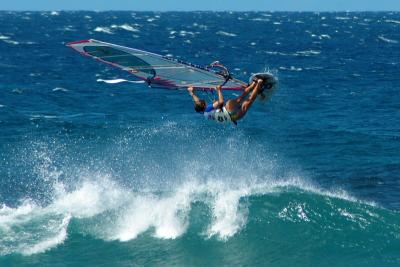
(97, 174)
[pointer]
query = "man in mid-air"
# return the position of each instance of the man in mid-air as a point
(234, 109)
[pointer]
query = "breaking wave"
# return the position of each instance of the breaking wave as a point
(191, 199)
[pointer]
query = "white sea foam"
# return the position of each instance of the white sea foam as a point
(17, 91)
(104, 30)
(393, 21)
(354, 218)
(125, 27)
(41, 116)
(200, 26)
(291, 68)
(10, 215)
(89, 199)
(308, 53)
(132, 213)
(314, 68)
(325, 36)
(260, 19)
(50, 242)
(294, 212)
(7, 39)
(229, 216)
(61, 89)
(301, 213)
(342, 18)
(184, 33)
(11, 42)
(387, 40)
(222, 33)
(168, 217)
(30, 229)
(276, 53)
(69, 28)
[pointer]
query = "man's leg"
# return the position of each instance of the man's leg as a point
(247, 90)
(247, 104)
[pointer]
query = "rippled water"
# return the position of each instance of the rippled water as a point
(123, 175)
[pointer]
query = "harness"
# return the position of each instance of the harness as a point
(219, 115)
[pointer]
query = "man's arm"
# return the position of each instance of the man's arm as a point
(220, 102)
(193, 95)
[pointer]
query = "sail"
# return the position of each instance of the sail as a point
(156, 70)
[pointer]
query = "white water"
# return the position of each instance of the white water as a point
(222, 33)
(387, 40)
(126, 27)
(105, 209)
(118, 213)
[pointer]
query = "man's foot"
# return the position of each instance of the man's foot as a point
(260, 83)
(258, 77)
(268, 79)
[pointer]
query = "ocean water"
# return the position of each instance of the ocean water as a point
(96, 174)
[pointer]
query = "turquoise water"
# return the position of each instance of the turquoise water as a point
(94, 174)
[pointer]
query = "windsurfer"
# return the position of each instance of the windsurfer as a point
(234, 109)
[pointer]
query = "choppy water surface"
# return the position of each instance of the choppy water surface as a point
(121, 175)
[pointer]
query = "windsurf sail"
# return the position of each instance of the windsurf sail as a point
(156, 70)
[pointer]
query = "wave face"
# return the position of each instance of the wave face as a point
(113, 174)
